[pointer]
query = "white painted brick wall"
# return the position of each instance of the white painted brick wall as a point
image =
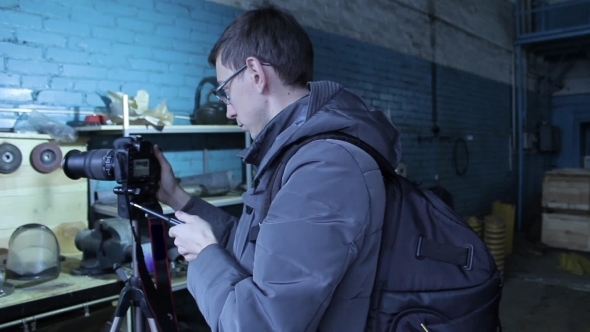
(471, 35)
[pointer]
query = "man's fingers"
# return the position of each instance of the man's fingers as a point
(189, 257)
(187, 218)
(184, 217)
(160, 156)
(172, 232)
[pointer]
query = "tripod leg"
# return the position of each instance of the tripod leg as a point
(148, 315)
(122, 307)
(116, 324)
(138, 318)
(129, 321)
(120, 311)
(152, 325)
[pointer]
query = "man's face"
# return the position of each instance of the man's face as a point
(245, 102)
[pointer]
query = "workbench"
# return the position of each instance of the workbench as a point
(65, 293)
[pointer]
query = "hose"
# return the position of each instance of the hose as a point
(458, 142)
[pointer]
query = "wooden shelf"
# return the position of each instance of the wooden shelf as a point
(25, 135)
(111, 209)
(66, 283)
(173, 129)
(69, 285)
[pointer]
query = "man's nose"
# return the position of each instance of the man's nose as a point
(230, 113)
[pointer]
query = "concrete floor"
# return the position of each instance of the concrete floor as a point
(532, 306)
(539, 296)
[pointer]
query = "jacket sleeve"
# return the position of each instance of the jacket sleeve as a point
(311, 234)
(223, 223)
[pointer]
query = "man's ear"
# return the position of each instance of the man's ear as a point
(256, 73)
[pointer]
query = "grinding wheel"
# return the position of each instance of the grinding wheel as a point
(46, 157)
(10, 158)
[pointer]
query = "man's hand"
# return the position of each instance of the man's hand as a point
(192, 236)
(169, 191)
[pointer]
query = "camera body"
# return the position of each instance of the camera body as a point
(135, 163)
(131, 163)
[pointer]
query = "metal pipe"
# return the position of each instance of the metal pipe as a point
(549, 7)
(525, 92)
(125, 115)
(56, 312)
(519, 78)
(529, 17)
(513, 100)
(510, 142)
(517, 13)
(553, 34)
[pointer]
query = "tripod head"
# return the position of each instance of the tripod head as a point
(128, 198)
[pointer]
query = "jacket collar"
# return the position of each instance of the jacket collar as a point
(294, 114)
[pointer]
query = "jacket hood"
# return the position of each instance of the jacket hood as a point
(330, 107)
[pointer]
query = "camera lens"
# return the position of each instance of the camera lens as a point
(95, 164)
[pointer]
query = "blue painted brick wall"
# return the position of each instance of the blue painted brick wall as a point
(58, 55)
(66, 52)
(467, 105)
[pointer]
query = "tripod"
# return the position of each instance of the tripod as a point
(133, 295)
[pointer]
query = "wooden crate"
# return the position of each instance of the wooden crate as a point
(567, 189)
(566, 231)
(52, 199)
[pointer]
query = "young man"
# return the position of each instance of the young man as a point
(313, 263)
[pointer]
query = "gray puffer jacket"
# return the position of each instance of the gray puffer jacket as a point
(313, 264)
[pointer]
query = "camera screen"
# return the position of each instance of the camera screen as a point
(141, 167)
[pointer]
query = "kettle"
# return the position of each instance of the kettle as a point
(212, 112)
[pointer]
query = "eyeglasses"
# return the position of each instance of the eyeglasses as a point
(220, 92)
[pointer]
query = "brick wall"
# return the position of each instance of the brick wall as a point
(58, 56)
(467, 104)
(469, 35)
(61, 53)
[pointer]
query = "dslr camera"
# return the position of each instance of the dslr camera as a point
(131, 163)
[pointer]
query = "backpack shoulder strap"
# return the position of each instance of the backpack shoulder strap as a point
(386, 168)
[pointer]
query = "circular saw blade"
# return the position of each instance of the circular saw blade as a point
(46, 157)
(10, 158)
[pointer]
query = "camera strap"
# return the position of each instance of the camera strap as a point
(159, 294)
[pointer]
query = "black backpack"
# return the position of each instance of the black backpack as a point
(434, 273)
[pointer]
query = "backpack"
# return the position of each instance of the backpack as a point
(434, 273)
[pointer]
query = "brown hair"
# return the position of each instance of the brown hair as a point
(272, 35)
